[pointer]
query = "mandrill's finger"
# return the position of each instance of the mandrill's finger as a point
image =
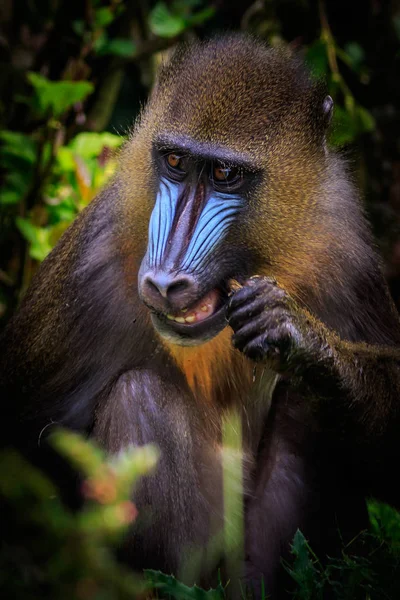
(233, 286)
(254, 290)
(238, 315)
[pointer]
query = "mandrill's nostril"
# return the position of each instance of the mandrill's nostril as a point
(178, 286)
(170, 286)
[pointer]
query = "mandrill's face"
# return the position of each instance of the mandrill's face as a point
(235, 141)
(184, 274)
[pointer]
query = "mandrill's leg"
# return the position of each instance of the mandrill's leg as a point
(298, 485)
(282, 496)
(179, 505)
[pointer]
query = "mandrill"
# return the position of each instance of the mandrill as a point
(228, 266)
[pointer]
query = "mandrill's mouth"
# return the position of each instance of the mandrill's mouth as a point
(202, 310)
(195, 324)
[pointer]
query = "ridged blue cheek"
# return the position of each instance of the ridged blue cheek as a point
(219, 212)
(161, 221)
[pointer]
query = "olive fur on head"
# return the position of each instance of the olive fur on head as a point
(228, 266)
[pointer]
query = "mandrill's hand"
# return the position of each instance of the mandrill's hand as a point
(268, 325)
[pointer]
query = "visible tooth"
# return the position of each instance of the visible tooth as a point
(204, 308)
(190, 318)
(179, 319)
(170, 317)
(184, 310)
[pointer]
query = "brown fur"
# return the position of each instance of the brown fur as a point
(215, 372)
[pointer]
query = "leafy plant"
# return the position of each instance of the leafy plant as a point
(56, 97)
(350, 119)
(17, 157)
(169, 586)
(368, 567)
(80, 169)
(49, 551)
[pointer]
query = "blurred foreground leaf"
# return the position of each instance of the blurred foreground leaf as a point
(49, 551)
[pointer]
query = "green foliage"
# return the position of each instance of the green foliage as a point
(385, 524)
(348, 124)
(49, 551)
(350, 119)
(103, 17)
(56, 97)
(117, 47)
(38, 238)
(353, 55)
(170, 21)
(90, 145)
(304, 570)
(79, 170)
(368, 567)
(169, 586)
(17, 156)
(317, 59)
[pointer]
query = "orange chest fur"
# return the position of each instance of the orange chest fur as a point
(214, 368)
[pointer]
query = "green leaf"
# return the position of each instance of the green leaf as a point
(103, 17)
(9, 196)
(100, 42)
(58, 96)
(17, 182)
(117, 47)
(18, 477)
(344, 128)
(88, 458)
(17, 157)
(348, 124)
(63, 213)
(168, 585)
(317, 59)
(385, 522)
(366, 121)
(65, 159)
(19, 145)
(89, 144)
(164, 23)
(201, 17)
(303, 570)
(79, 27)
(38, 237)
(355, 54)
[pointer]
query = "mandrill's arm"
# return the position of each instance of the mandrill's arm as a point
(354, 387)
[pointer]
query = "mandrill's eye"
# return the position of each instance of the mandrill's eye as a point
(226, 177)
(173, 160)
(175, 166)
